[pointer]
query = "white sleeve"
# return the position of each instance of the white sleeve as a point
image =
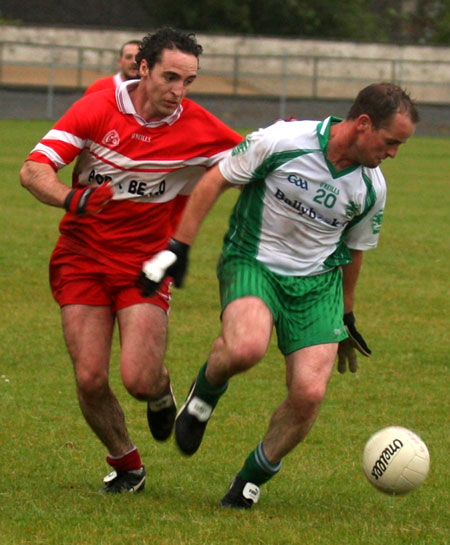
(365, 233)
(241, 166)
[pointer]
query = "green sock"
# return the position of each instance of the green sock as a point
(257, 469)
(210, 394)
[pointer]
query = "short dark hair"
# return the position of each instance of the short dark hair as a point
(153, 45)
(130, 42)
(380, 101)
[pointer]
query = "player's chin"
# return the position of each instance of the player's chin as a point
(372, 163)
(170, 107)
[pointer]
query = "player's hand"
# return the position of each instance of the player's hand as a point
(170, 262)
(88, 200)
(347, 348)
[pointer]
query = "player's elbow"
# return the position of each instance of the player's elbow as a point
(25, 175)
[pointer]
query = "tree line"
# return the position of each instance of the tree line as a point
(398, 21)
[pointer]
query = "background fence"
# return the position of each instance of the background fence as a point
(41, 80)
(281, 76)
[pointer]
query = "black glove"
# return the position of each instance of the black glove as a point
(170, 262)
(346, 349)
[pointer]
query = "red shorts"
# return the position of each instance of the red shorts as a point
(81, 280)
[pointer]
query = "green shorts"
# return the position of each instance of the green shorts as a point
(306, 310)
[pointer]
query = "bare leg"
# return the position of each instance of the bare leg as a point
(88, 332)
(143, 333)
(308, 372)
(246, 330)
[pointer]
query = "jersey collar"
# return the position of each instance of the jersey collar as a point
(126, 106)
(117, 79)
(323, 134)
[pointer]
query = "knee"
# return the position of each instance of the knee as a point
(137, 389)
(144, 385)
(243, 354)
(316, 393)
(91, 383)
(307, 397)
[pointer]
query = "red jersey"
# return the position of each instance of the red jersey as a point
(152, 167)
(110, 82)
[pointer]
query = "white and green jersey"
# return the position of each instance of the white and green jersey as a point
(296, 213)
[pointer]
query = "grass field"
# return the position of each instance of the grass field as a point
(51, 465)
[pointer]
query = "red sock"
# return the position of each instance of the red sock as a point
(130, 461)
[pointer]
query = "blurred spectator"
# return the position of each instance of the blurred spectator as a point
(127, 68)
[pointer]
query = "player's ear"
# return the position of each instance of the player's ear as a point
(143, 68)
(364, 123)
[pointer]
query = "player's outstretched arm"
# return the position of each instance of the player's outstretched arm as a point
(174, 260)
(355, 341)
(347, 348)
(208, 190)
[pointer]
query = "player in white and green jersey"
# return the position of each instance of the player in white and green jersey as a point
(297, 214)
(311, 203)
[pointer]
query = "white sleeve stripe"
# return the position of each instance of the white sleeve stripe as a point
(64, 136)
(126, 163)
(54, 157)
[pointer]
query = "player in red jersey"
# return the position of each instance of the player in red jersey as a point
(140, 150)
(127, 69)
